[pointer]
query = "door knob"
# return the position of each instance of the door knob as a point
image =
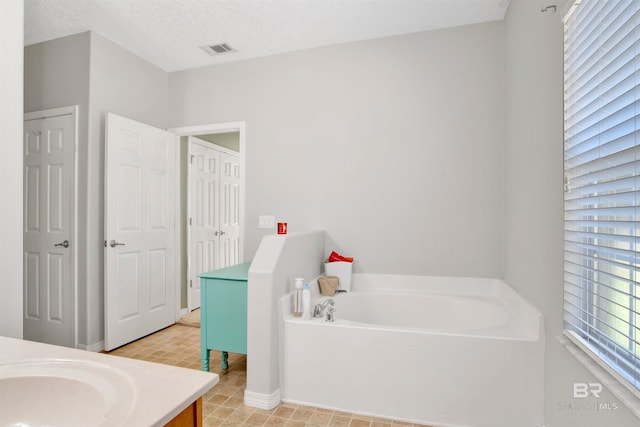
(113, 244)
(64, 244)
(222, 233)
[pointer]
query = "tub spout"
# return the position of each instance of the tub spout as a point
(319, 309)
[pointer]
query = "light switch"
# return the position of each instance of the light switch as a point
(266, 221)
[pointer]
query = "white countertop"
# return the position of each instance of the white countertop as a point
(159, 392)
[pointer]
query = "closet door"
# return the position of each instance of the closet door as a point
(204, 212)
(214, 211)
(229, 209)
(49, 216)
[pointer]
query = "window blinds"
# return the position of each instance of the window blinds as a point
(602, 181)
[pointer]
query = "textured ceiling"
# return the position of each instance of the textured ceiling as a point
(169, 33)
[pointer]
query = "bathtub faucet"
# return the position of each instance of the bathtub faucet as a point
(329, 317)
(319, 309)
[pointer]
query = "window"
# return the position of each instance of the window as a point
(602, 182)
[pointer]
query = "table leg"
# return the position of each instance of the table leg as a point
(225, 360)
(204, 355)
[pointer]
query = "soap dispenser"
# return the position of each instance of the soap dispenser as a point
(297, 296)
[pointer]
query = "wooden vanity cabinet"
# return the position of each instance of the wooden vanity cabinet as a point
(191, 416)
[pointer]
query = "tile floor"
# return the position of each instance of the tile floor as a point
(179, 345)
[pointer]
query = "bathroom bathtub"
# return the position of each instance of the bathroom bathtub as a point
(439, 351)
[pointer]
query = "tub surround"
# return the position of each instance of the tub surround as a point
(483, 368)
(521, 320)
(132, 392)
(279, 259)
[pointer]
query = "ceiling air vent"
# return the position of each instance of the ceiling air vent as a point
(217, 49)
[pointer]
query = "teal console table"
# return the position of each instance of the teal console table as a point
(223, 312)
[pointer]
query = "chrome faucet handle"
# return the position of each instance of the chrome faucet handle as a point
(330, 317)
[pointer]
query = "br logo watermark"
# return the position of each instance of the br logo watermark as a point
(584, 390)
(584, 395)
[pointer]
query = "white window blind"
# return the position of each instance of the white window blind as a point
(602, 181)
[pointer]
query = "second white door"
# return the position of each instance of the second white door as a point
(214, 217)
(229, 209)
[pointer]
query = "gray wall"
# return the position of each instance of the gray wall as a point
(534, 200)
(56, 74)
(227, 140)
(99, 76)
(11, 78)
(394, 146)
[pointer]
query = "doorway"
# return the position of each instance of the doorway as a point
(213, 227)
(230, 139)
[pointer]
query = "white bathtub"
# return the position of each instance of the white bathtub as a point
(439, 351)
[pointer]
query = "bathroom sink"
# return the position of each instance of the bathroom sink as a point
(58, 392)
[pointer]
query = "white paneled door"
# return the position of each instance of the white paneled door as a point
(214, 218)
(229, 209)
(139, 230)
(204, 223)
(49, 246)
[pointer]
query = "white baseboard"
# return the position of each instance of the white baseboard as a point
(96, 347)
(262, 401)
